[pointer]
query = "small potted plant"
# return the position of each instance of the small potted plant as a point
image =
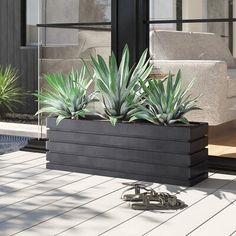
(148, 137)
(67, 96)
(10, 93)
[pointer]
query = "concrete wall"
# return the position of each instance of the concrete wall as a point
(218, 9)
(94, 10)
(163, 9)
(193, 9)
(202, 9)
(61, 11)
(72, 11)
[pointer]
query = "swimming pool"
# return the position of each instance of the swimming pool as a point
(9, 143)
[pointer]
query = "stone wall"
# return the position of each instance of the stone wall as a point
(94, 10)
(61, 11)
(72, 11)
(217, 9)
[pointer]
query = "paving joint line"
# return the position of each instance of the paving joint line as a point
(19, 163)
(74, 208)
(40, 194)
(141, 212)
(229, 182)
(122, 203)
(40, 182)
(22, 178)
(22, 170)
(230, 204)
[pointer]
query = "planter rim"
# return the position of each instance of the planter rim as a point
(99, 119)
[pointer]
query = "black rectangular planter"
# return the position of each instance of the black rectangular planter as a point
(142, 151)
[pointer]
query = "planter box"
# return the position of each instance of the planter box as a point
(142, 151)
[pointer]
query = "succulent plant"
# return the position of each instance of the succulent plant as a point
(10, 93)
(165, 102)
(119, 86)
(66, 96)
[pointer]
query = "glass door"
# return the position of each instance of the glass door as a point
(213, 16)
(70, 32)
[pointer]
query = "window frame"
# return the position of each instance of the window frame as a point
(76, 25)
(23, 12)
(179, 21)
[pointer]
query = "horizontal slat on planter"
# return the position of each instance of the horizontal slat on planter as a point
(143, 151)
(164, 146)
(145, 130)
(126, 154)
(183, 182)
(127, 166)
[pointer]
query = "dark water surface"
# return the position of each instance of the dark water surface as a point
(10, 143)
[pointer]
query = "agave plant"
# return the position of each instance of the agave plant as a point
(66, 96)
(165, 102)
(10, 93)
(119, 86)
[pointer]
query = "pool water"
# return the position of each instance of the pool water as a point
(9, 143)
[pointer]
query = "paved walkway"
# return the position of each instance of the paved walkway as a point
(35, 201)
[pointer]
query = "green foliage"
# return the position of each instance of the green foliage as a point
(10, 93)
(67, 96)
(119, 86)
(165, 102)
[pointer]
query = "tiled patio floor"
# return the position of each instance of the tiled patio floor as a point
(36, 201)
